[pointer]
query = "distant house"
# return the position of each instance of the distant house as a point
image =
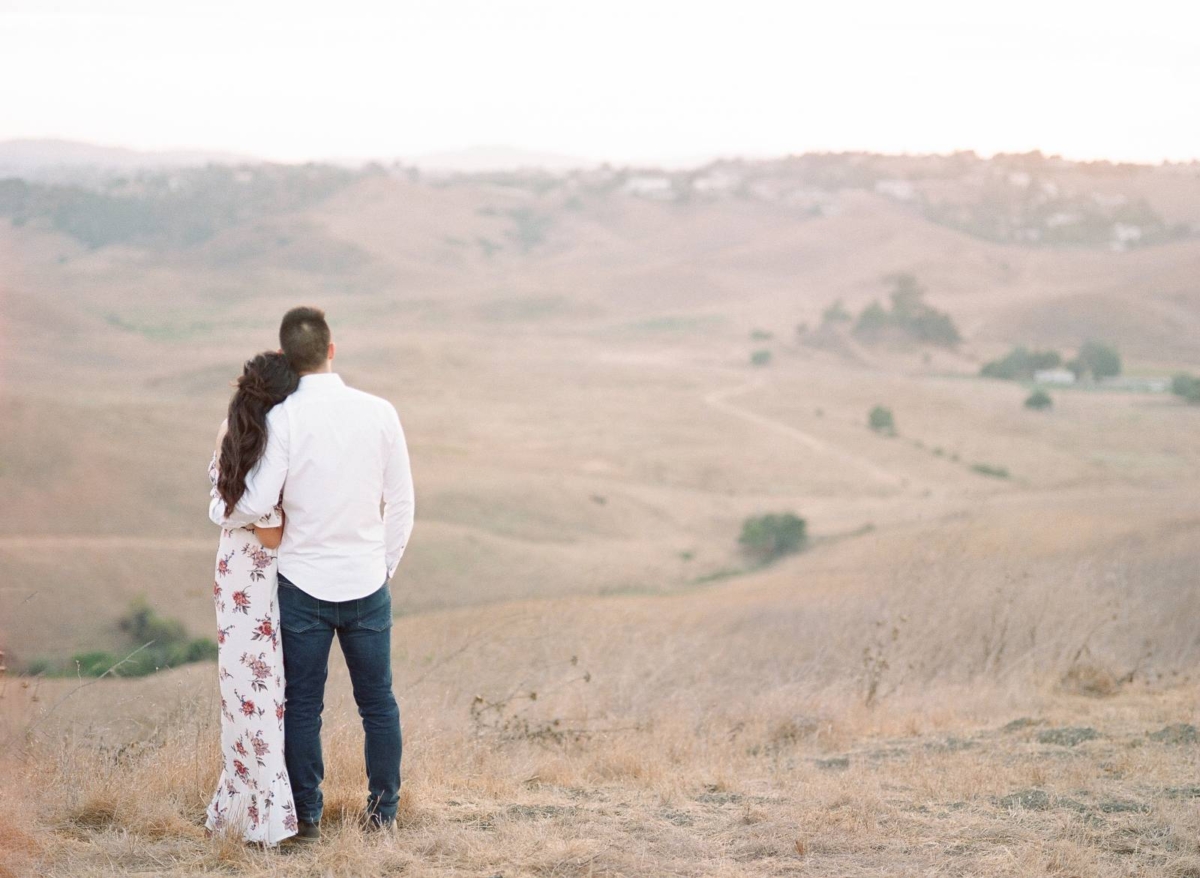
(646, 186)
(717, 182)
(1054, 376)
(1062, 218)
(1125, 234)
(1135, 384)
(901, 190)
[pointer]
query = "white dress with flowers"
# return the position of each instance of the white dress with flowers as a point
(253, 797)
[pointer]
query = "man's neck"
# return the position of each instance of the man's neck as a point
(328, 369)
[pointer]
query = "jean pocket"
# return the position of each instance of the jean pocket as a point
(298, 612)
(375, 611)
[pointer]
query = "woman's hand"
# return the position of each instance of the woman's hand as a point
(270, 537)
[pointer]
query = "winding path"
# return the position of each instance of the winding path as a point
(720, 400)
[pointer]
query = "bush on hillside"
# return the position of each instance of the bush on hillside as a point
(836, 313)
(910, 316)
(881, 420)
(169, 646)
(760, 358)
(1039, 400)
(1097, 358)
(1186, 386)
(986, 469)
(1020, 364)
(768, 537)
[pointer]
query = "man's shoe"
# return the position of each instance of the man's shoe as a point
(307, 833)
(377, 823)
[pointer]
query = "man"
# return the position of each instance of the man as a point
(340, 452)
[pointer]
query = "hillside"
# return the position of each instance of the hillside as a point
(596, 679)
(571, 357)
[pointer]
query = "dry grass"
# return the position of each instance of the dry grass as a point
(724, 732)
(760, 797)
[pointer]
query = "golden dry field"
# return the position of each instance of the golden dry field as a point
(964, 673)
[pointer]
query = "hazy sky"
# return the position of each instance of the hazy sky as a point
(614, 79)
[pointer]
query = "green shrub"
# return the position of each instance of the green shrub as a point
(768, 537)
(1186, 386)
(761, 335)
(93, 664)
(881, 420)
(836, 313)
(995, 472)
(910, 316)
(1020, 364)
(760, 358)
(153, 643)
(1039, 400)
(1098, 358)
(142, 624)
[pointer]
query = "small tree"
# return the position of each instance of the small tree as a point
(1186, 386)
(836, 313)
(1097, 357)
(881, 421)
(873, 320)
(760, 358)
(1020, 364)
(768, 537)
(1039, 400)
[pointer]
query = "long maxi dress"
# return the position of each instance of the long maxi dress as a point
(253, 796)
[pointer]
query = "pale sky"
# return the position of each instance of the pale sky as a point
(619, 80)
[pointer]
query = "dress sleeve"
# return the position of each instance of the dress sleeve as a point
(274, 518)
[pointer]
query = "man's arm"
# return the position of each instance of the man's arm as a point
(264, 483)
(398, 497)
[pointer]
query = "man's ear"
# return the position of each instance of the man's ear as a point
(332, 351)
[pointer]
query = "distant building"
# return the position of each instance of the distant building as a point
(1062, 218)
(646, 186)
(1054, 376)
(1135, 384)
(1125, 234)
(901, 190)
(717, 182)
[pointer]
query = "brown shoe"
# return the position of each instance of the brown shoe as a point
(374, 822)
(306, 833)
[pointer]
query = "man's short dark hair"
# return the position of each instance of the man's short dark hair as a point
(304, 338)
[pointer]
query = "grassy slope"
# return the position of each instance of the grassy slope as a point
(588, 437)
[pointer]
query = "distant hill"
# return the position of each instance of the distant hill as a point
(49, 159)
(485, 159)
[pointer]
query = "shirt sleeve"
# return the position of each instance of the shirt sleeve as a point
(398, 496)
(264, 484)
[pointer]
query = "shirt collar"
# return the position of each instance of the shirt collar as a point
(321, 381)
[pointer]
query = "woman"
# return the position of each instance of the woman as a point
(253, 797)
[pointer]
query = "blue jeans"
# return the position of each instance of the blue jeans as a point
(364, 630)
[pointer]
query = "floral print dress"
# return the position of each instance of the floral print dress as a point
(253, 797)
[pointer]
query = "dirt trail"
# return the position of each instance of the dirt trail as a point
(720, 400)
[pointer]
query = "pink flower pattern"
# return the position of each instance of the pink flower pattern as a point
(253, 797)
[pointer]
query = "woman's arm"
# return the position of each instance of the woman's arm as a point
(270, 537)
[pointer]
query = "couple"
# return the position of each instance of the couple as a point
(302, 466)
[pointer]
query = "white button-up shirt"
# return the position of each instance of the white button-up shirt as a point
(335, 453)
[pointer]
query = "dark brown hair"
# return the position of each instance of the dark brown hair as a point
(266, 381)
(304, 338)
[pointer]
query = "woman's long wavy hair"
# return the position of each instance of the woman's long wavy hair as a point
(266, 381)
